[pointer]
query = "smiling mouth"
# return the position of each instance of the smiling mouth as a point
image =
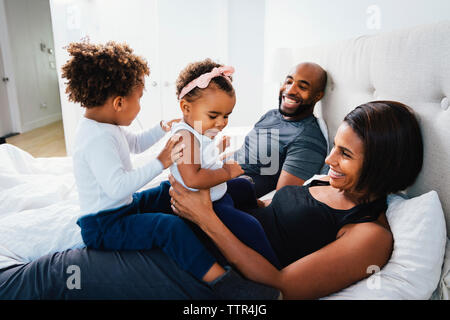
(290, 103)
(334, 174)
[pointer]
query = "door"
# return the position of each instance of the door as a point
(5, 114)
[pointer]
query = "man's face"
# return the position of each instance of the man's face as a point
(298, 94)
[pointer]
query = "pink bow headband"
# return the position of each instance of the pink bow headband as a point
(203, 81)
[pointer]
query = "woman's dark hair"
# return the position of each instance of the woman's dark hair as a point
(96, 72)
(195, 70)
(393, 147)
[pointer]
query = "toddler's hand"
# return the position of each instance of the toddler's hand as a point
(223, 144)
(172, 151)
(233, 168)
(167, 126)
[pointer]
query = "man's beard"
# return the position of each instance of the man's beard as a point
(300, 109)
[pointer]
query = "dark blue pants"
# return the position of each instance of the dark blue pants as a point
(149, 222)
(146, 223)
(241, 195)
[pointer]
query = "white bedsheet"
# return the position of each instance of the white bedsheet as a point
(39, 205)
(39, 201)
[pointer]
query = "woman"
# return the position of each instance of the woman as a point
(328, 233)
(340, 232)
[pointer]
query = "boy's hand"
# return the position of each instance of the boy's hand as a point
(167, 126)
(223, 144)
(233, 169)
(172, 151)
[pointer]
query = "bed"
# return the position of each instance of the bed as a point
(38, 198)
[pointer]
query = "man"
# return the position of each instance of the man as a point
(286, 146)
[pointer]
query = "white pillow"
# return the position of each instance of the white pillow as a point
(414, 269)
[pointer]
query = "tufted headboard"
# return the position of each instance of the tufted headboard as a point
(411, 66)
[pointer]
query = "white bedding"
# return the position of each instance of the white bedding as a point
(39, 201)
(39, 205)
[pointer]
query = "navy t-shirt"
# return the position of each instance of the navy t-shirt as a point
(275, 144)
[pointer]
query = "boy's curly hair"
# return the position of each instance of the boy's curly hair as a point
(96, 72)
(196, 69)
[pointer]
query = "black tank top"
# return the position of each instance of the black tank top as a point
(297, 224)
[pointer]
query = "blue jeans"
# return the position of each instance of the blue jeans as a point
(146, 223)
(148, 274)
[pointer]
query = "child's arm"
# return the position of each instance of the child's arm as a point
(139, 142)
(196, 177)
(103, 158)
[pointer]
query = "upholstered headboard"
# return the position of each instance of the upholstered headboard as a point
(411, 66)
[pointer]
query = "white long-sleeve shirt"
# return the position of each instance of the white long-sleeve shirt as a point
(103, 170)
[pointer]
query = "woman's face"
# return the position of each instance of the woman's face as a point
(345, 159)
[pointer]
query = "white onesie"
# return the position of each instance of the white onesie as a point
(209, 159)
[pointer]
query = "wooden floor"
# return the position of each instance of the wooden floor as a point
(47, 141)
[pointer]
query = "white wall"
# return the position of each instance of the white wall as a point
(188, 31)
(246, 54)
(29, 25)
(305, 23)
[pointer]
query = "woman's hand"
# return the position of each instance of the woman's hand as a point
(167, 126)
(197, 207)
(192, 205)
(172, 151)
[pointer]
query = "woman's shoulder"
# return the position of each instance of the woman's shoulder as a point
(377, 230)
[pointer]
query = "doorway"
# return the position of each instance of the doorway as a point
(32, 89)
(6, 127)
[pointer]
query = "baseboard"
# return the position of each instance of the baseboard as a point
(41, 122)
(6, 136)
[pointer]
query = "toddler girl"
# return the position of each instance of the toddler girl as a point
(207, 98)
